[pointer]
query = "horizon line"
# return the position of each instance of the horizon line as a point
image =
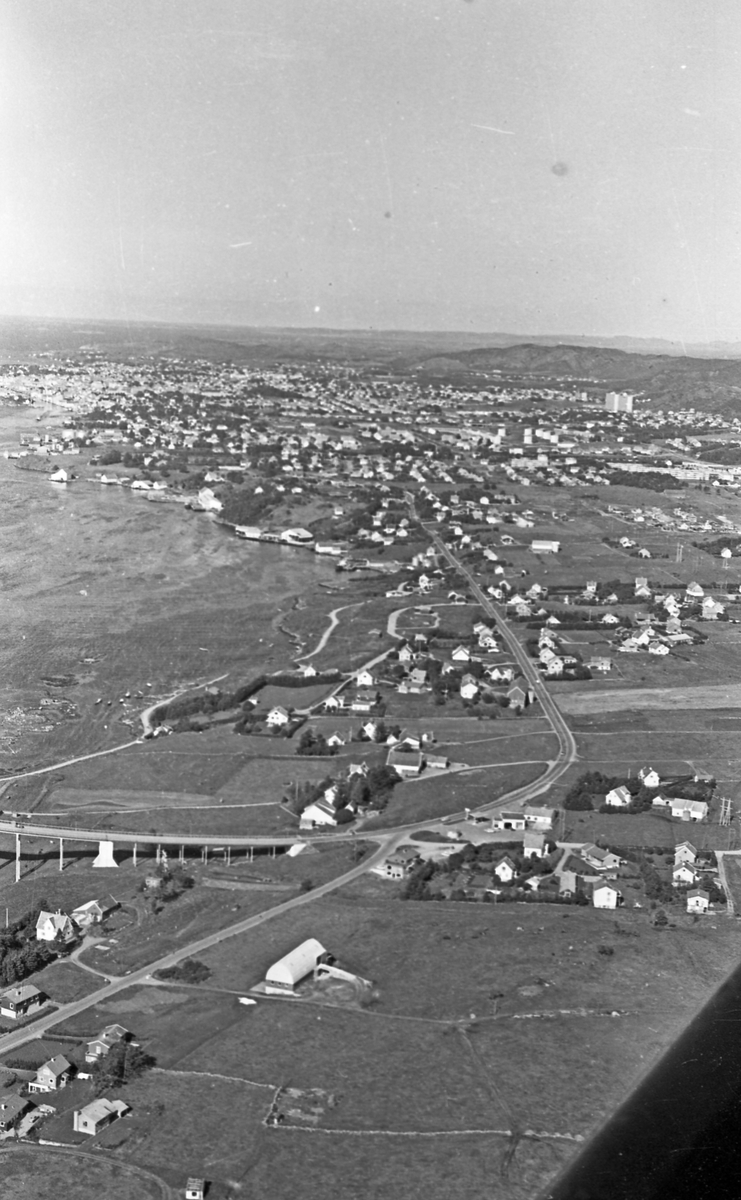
(561, 339)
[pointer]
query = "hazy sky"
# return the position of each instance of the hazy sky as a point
(536, 166)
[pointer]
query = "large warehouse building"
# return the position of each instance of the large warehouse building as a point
(282, 978)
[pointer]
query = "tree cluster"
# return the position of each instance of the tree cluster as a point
(20, 953)
(313, 744)
(123, 1062)
(190, 970)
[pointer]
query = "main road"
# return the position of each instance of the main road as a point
(566, 743)
(10, 1041)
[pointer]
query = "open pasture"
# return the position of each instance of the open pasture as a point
(265, 780)
(501, 748)
(292, 697)
(642, 829)
(670, 753)
(702, 696)
(437, 796)
(189, 762)
(42, 1173)
(235, 816)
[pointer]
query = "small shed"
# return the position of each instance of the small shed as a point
(195, 1189)
(282, 978)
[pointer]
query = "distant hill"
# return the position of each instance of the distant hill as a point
(680, 382)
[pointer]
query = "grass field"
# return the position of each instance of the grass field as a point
(701, 696)
(242, 818)
(189, 762)
(445, 1069)
(436, 796)
(499, 748)
(293, 697)
(680, 752)
(43, 1173)
(264, 780)
(643, 829)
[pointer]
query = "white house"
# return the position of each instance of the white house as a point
(697, 901)
(277, 717)
(461, 654)
(684, 874)
(50, 926)
(100, 1046)
(505, 870)
(685, 852)
(604, 895)
(601, 860)
(365, 679)
(320, 812)
(649, 778)
(54, 1074)
(533, 844)
(619, 797)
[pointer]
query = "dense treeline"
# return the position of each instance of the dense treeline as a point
(653, 481)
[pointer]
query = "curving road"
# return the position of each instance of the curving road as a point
(568, 753)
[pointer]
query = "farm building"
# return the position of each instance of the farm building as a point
(93, 912)
(688, 810)
(281, 979)
(405, 762)
(539, 818)
(509, 820)
(545, 546)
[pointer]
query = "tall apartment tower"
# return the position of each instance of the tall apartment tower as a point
(619, 402)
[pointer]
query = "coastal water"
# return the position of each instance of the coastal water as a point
(148, 594)
(678, 1137)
